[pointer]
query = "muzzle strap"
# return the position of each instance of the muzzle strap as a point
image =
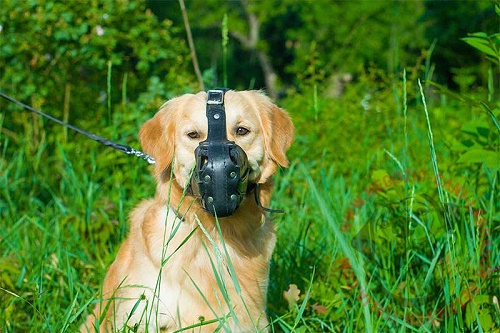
(216, 115)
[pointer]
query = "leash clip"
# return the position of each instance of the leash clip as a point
(142, 155)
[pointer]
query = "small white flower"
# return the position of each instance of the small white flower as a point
(99, 30)
(102, 97)
(365, 102)
(105, 16)
(1, 28)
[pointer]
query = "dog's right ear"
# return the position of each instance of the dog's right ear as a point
(157, 137)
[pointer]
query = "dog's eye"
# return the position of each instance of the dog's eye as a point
(193, 135)
(241, 131)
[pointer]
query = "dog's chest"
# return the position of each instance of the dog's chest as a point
(184, 251)
(193, 267)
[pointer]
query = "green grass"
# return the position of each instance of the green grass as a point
(369, 239)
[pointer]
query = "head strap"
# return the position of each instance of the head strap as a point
(216, 115)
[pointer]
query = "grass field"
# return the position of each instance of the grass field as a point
(390, 225)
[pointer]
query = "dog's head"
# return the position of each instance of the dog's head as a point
(253, 122)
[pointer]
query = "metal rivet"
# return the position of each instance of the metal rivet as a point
(210, 199)
(216, 116)
(234, 197)
(232, 174)
(207, 178)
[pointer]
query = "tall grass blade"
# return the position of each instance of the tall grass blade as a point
(225, 41)
(492, 115)
(304, 303)
(67, 320)
(405, 116)
(108, 85)
(218, 271)
(432, 148)
(124, 90)
(348, 251)
(27, 302)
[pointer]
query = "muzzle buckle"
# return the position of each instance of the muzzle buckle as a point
(215, 97)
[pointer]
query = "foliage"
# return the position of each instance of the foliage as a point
(57, 55)
(375, 33)
(311, 41)
(368, 107)
(368, 241)
(428, 261)
(448, 21)
(304, 38)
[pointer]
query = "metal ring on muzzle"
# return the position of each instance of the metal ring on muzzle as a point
(220, 178)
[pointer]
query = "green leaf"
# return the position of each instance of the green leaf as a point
(469, 314)
(495, 38)
(476, 128)
(478, 155)
(486, 320)
(482, 44)
(481, 35)
(482, 299)
(494, 114)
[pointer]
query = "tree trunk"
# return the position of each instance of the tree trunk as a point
(250, 42)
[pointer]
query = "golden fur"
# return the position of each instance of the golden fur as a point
(167, 273)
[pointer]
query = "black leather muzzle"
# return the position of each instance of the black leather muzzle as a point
(220, 177)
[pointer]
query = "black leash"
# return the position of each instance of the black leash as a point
(123, 148)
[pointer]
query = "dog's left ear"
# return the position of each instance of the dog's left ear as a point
(278, 133)
(157, 138)
(281, 137)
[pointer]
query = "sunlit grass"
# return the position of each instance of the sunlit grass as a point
(405, 255)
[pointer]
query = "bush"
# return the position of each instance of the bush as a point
(86, 59)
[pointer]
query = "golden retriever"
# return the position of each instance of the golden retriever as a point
(179, 267)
